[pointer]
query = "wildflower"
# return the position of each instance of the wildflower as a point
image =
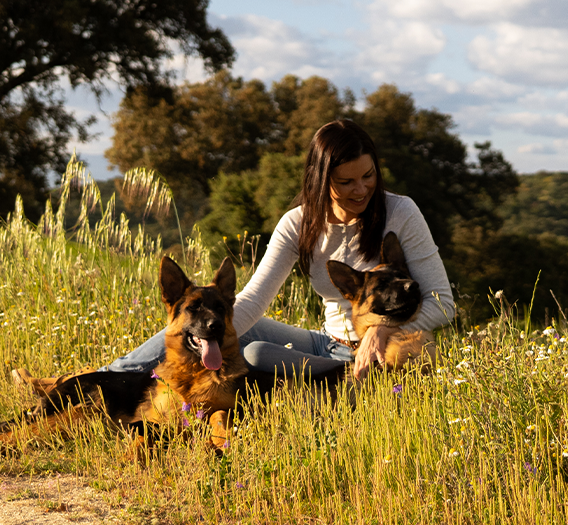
(531, 428)
(499, 294)
(530, 468)
(199, 414)
(185, 422)
(459, 381)
(453, 453)
(388, 459)
(288, 345)
(549, 331)
(154, 375)
(186, 407)
(454, 421)
(240, 485)
(397, 389)
(227, 444)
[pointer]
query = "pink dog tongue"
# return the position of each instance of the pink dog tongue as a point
(211, 354)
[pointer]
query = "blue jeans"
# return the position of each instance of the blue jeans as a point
(269, 345)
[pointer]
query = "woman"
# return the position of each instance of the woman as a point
(343, 214)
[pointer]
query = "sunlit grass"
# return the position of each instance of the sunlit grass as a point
(481, 440)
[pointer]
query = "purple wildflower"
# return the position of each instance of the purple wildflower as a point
(136, 301)
(397, 389)
(185, 422)
(199, 414)
(154, 375)
(530, 468)
(186, 407)
(227, 444)
(240, 485)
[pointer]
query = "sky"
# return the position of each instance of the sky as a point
(498, 67)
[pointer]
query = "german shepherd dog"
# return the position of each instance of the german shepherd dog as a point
(203, 368)
(387, 296)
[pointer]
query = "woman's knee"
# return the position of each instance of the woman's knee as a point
(254, 352)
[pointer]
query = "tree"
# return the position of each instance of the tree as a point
(425, 160)
(220, 124)
(88, 42)
(306, 105)
(252, 200)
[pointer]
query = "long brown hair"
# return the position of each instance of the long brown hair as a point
(334, 144)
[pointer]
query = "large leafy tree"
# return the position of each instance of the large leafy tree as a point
(194, 131)
(304, 106)
(87, 42)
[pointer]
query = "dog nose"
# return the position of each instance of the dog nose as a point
(214, 324)
(410, 286)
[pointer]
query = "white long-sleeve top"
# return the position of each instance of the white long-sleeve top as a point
(341, 243)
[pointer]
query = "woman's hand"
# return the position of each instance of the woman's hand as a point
(372, 348)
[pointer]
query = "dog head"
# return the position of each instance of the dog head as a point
(385, 295)
(198, 315)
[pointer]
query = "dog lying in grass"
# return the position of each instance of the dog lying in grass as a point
(387, 296)
(203, 369)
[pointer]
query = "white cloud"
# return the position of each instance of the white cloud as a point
(494, 88)
(441, 82)
(537, 123)
(561, 145)
(537, 148)
(533, 56)
(269, 49)
(395, 49)
(480, 11)
(536, 13)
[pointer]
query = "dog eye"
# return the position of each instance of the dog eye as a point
(193, 307)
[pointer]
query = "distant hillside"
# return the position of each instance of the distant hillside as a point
(540, 207)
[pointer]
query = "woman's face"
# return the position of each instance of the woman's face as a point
(351, 188)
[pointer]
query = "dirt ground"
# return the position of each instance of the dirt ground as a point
(59, 499)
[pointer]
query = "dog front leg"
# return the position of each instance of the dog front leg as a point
(219, 422)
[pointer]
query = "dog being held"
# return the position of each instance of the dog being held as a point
(387, 296)
(203, 368)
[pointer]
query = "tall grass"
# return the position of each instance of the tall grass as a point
(481, 440)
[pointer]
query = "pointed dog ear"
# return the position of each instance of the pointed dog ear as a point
(226, 279)
(347, 280)
(391, 252)
(173, 281)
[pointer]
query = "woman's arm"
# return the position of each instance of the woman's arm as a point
(279, 259)
(425, 266)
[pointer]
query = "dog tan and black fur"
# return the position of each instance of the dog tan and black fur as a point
(387, 296)
(203, 368)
